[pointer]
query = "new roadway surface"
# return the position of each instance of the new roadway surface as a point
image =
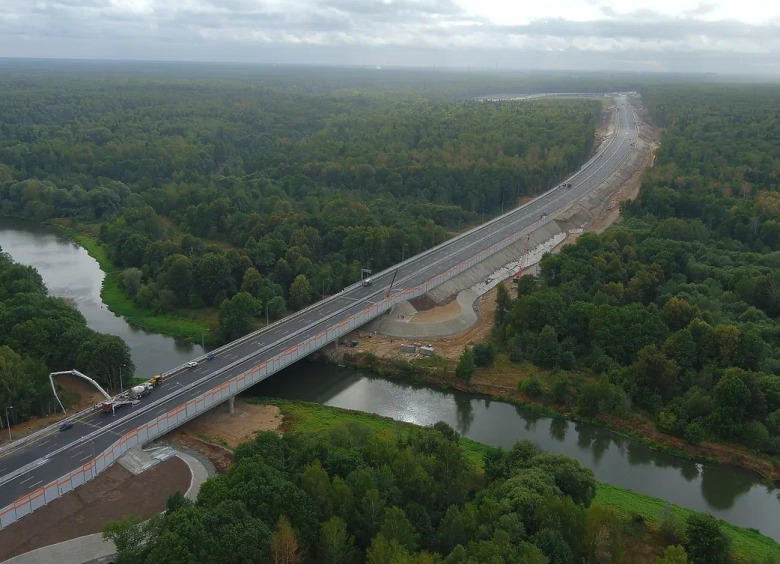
(32, 465)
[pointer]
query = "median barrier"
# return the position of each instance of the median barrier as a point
(221, 392)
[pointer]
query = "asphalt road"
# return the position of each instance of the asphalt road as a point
(37, 463)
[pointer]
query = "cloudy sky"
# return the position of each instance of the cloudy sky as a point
(663, 35)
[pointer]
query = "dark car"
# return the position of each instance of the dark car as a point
(211, 356)
(65, 426)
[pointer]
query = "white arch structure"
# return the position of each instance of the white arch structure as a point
(80, 375)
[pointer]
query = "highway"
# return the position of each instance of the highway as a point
(28, 468)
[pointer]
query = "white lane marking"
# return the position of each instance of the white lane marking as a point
(28, 479)
(76, 453)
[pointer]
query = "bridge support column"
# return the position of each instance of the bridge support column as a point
(232, 404)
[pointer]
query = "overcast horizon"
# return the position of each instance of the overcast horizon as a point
(682, 36)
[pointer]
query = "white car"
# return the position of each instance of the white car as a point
(192, 364)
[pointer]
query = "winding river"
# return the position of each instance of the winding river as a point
(734, 495)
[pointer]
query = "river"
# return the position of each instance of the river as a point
(734, 495)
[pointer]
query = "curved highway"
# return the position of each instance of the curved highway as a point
(28, 467)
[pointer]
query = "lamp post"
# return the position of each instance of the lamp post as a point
(502, 207)
(202, 340)
(266, 312)
(121, 386)
(8, 422)
(403, 251)
(323, 286)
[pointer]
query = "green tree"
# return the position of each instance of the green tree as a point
(730, 401)
(547, 348)
(503, 304)
(466, 367)
(673, 555)
(484, 354)
(396, 527)
(237, 316)
(706, 543)
(336, 544)
(103, 356)
(300, 292)
(276, 307)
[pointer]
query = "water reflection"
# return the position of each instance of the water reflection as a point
(558, 428)
(465, 411)
(716, 495)
(728, 493)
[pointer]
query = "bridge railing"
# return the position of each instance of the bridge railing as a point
(259, 372)
(219, 393)
(42, 432)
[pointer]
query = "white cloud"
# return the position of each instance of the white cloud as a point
(135, 28)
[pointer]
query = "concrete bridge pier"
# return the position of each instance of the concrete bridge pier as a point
(232, 404)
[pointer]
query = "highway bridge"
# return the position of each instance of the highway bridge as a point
(37, 470)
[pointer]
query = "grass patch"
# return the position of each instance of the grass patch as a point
(747, 544)
(315, 418)
(181, 325)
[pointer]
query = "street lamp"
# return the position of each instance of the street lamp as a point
(266, 312)
(8, 422)
(121, 387)
(202, 341)
(323, 286)
(403, 249)
(502, 207)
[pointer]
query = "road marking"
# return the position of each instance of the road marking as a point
(76, 453)
(28, 479)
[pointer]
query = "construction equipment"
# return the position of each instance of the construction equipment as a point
(131, 396)
(521, 266)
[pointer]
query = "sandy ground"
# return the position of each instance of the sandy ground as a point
(441, 313)
(214, 433)
(114, 494)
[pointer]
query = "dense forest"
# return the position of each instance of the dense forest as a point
(41, 334)
(675, 311)
(207, 190)
(351, 495)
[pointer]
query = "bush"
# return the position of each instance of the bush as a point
(532, 387)
(755, 435)
(561, 391)
(465, 368)
(484, 354)
(706, 542)
(694, 433)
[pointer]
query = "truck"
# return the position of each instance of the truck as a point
(131, 396)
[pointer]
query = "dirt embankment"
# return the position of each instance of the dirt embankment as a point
(116, 494)
(217, 431)
(113, 495)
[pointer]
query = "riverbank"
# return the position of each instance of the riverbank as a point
(504, 381)
(185, 324)
(644, 515)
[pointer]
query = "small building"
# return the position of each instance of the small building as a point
(407, 348)
(426, 351)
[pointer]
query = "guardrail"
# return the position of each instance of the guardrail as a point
(219, 393)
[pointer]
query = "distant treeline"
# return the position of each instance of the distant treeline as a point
(206, 188)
